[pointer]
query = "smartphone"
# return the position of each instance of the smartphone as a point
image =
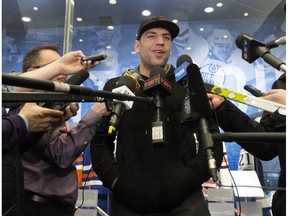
(254, 91)
(93, 58)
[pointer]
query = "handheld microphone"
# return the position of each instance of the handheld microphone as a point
(94, 58)
(254, 91)
(76, 79)
(125, 85)
(158, 87)
(253, 49)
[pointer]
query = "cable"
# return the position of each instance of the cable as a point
(83, 187)
(226, 162)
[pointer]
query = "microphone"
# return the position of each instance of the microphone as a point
(275, 43)
(253, 49)
(196, 108)
(181, 76)
(125, 85)
(8, 79)
(158, 87)
(200, 110)
(254, 91)
(182, 62)
(76, 79)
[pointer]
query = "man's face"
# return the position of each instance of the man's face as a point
(46, 57)
(221, 51)
(154, 47)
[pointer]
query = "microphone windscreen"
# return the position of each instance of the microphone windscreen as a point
(127, 81)
(157, 70)
(78, 78)
(239, 41)
(182, 59)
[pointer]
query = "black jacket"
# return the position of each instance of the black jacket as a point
(262, 150)
(152, 179)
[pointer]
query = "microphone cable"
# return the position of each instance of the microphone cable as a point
(227, 165)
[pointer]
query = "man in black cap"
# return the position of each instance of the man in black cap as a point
(148, 179)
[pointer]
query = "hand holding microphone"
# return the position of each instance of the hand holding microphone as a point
(76, 79)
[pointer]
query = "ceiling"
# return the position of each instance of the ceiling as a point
(51, 13)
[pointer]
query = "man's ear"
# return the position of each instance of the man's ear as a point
(136, 46)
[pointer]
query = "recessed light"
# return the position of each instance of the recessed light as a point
(26, 19)
(201, 29)
(79, 19)
(219, 4)
(209, 10)
(146, 13)
(175, 21)
(112, 2)
(80, 40)
(35, 8)
(108, 47)
(246, 14)
(110, 27)
(188, 48)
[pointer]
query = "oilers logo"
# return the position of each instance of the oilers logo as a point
(213, 74)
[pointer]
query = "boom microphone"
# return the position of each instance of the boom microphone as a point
(276, 42)
(76, 79)
(158, 87)
(200, 110)
(125, 85)
(8, 79)
(253, 49)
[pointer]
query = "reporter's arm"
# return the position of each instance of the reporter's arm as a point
(69, 63)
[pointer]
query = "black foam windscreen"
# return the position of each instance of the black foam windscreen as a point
(182, 59)
(127, 81)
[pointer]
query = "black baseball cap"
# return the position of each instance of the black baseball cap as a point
(155, 22)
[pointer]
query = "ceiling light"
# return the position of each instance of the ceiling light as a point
(26, 19)
(209, 10)
(110, 27)
(35, 8)
(112, 2)
(188, 48)
(146, 13)
(79, 19)
(175, 21)
(219, 4)
(80, 40)
(108, 47)
(246, 14)
(201, 29)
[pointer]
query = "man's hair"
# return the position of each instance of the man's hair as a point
(31, 58)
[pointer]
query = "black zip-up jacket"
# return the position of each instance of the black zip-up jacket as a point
(234, 120)
(152, 179)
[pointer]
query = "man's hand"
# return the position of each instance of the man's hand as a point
(215, 100)
(100, 109)
(71, 110)
(39, 118)
(71, 62)
(276, 95)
